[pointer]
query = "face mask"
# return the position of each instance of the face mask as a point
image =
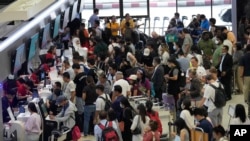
(121, 106)
(216, 42)
(174, 47)
(182, 106)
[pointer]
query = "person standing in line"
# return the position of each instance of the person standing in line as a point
(93, 18)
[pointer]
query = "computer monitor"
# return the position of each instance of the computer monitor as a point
(18, 59)
(34, 44)
(46, 36)
(43, 108)
(56, 27)
(12, 118)
(66, 17)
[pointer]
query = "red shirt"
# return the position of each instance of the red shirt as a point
(46, 67)
(22, 90)
(91, 52)
(49, 56)
(34, 78)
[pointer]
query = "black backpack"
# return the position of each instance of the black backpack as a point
(107, 102)
(219, 97)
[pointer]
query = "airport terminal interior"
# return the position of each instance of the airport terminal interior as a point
(124, 70)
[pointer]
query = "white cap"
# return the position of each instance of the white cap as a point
(146, 52)
(132, 77)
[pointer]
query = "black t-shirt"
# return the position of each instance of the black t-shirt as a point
(244, 62)
(91, 94)
(92, 72)
(80, 81)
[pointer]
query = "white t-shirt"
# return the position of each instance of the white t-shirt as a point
(71, 73)
(68, 88)
(112, 45)
(100, 103)
(186, 116)
(124, 84)
(209, 94)
(237, 121)
(200, 71)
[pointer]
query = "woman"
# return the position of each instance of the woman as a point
(187, 113)
(164, 54)
(154, 115)
(91, 48)
(112, 118)
(140, 121)
(33, 124)
(240, 116)
(182, 130)
(219, 133)
(143, 83)
(51, 53)
(127, 118)
(152, 134)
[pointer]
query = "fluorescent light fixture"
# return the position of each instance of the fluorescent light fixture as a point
(53, 15)
(19, 33)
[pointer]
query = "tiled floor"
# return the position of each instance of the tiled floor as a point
(164, 115)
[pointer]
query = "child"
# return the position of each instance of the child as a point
(151, 133)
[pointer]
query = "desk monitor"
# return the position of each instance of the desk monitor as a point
(57, 26)
(12, 118)
(46, 36)
(43, 108)
(18, 59)
(34, 44)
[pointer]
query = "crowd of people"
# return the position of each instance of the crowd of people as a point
(193, 63)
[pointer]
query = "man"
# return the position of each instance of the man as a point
(103, 81)
(114, 26)
(67, 114)
(116, 104)
(92, 69)
(67, 68)
(217, 53)
(200, 116)
(158, 77)
(183, 61)
(93, 18)
(245, 73)
(68, 87)
(51, 100)
(187, 43)
(177, 17)
(204, 23)
(225, 71)
(214, 113)
(124, 22)
(123, 83)
(98, 30)
(212, 22)
(80, 82)
(111, 73)
(230, 35)
(9, 100)
(206, 45)
(100, 102)
(200, 70)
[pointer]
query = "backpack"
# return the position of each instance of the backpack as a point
(107, 102)
(219, 97)
(108, 132)
(76, 133)
(128, 33)
(155, 117)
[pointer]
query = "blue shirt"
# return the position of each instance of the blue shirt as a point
(205, 25)
(92, 20)
(117, 108)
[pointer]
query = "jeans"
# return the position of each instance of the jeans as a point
(79, 105)
(88, 111)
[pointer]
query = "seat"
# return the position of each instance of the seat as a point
(163, 24)
(155, 19)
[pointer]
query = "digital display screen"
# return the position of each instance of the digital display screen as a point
(46, 35)
(19, 58)
(66, 17)
(56, 26)
(33, 46)
(74, 11)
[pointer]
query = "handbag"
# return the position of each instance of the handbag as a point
(137, 130)
(121, 126)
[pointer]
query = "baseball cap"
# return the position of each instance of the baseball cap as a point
(60, 99)
(146, 52)
(132, 77)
